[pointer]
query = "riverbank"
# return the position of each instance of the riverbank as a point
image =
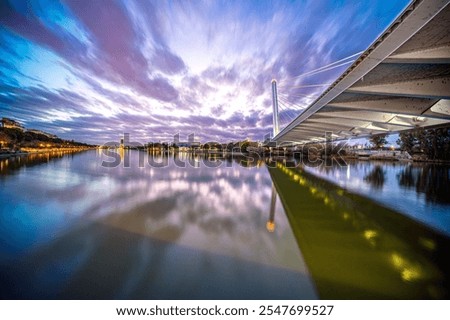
(12, 154)
(46, 150)
(393, 159)
(30, 151)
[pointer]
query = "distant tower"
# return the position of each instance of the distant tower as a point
(275, 107)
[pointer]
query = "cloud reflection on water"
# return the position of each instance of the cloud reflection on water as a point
(81, 219)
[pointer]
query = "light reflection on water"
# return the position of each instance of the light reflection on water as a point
(72, 228)
(421, 191)
(357, 249)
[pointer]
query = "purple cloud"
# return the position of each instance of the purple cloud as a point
(94, 70)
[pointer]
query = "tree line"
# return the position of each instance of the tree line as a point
(12, 137)
(434, 144)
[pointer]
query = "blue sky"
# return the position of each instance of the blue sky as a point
(93, 70)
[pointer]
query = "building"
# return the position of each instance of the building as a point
(11, 124)
(190, 145)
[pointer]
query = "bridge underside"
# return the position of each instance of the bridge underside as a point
(401, 82)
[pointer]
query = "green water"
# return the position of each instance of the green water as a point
(355, 248)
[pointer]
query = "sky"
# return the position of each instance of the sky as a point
(94, 70)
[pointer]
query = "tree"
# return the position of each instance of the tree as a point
(434, 143)
(244, 146)
(378, 141)
(407, 140)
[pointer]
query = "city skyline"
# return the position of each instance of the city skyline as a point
(154, 69)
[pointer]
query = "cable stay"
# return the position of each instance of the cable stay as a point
(298, 98)
(284, 118)
(307, 86)
(282, 108)
(295, 112)
(327, 67)
(288, 110)
(298, 95)
(291, 104)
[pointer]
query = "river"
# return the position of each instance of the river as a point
(73, 228)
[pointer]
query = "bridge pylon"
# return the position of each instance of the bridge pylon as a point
(275, 107)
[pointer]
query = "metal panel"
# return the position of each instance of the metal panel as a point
(402, 81)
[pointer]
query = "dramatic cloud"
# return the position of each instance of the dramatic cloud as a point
(93, 70)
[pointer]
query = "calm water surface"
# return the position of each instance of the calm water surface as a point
(418, 190)
(74, 229)
(71, 228)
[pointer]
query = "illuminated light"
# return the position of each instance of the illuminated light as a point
(296, 177)
(326, 200)
(346, 215)
(408, 271)
(370, 234)
(427, 243)
(313, 190)
(410, 274)
(270, 225)
(340, 192)
(397, 261)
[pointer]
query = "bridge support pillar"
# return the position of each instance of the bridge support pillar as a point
(275, 107)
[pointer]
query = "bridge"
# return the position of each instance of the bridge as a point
(401, 82)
